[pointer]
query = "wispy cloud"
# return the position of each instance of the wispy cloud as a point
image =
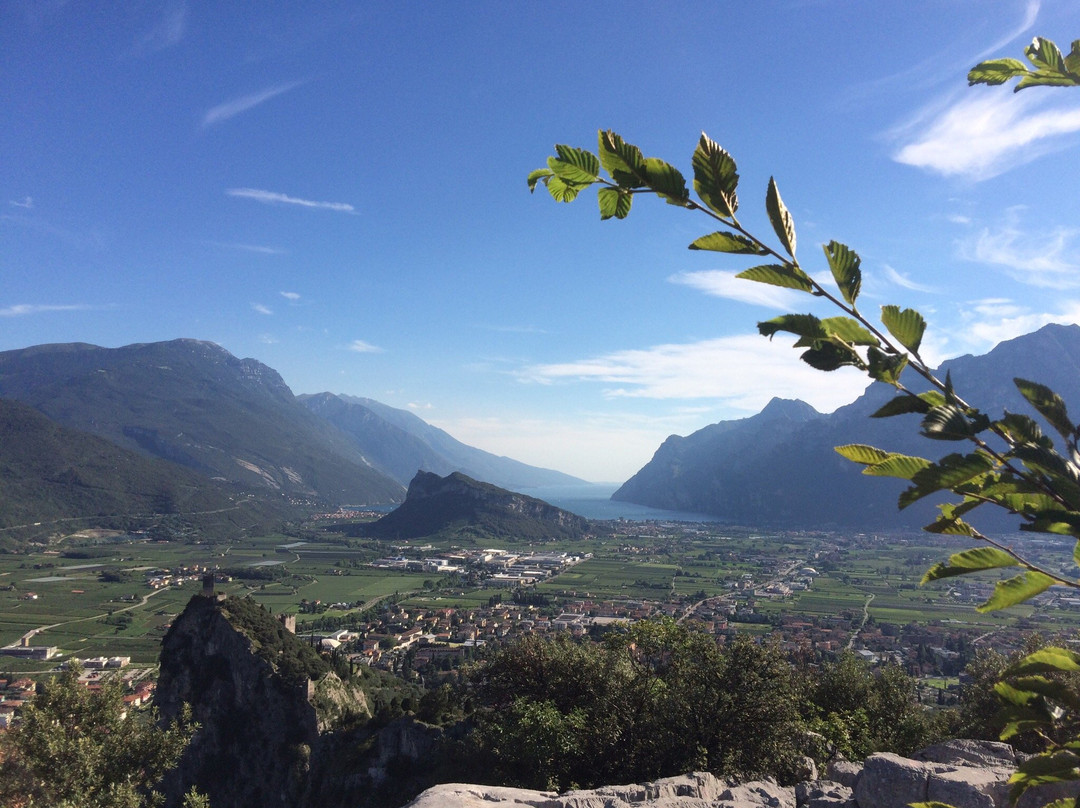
(167, 31)
(290, 295)
(412, 405)
(720, 283)
(1046, 259)
(24, 309)
(984, 134)
(261, 309)
(255, 248)
(27, 202)
(992, 320)
(274, 198)
(744, 371)
(230, 109)
(904, 282)
(268, 339)
(359, 346)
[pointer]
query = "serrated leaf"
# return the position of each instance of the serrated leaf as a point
(949, 422)
(614, 202)
(861, 453)
(976, 559)
(1072, 60)
(1051, 659)
(728, 243)
(907, 325)
(1015, 590)
(996, 71)
(1057, 766)
(622, 160)
(537, 175)
(886, 367)
(1054, 690)
(782, 223)
(951, 526)
(563, 191)
(785, 275)
(806, 326)
(715, 177)
(1021, 428)
(948, 473)
(844, 263)
(829, 356)
(901, 405)
(898, 465)
(574, 165)
(1044, 54)
(666, 180)
(1049, 404)
(849, 330)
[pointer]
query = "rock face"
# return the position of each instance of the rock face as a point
(465, 507)
(262, 699)
(964, 774)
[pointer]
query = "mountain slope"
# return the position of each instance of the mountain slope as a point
(465, 508)
(400, 444)
(197, 405)
(52, 477)
(794, 478)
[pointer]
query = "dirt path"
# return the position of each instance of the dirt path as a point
(865, 617)
(34, 631)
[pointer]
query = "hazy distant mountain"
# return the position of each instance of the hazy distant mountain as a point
(779, 467)
(197, 405)
(471, 510)
(53, 478)
(400, 444)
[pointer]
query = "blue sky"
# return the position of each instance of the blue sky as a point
(338, 190)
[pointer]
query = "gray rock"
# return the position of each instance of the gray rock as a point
(824, 794)
(844, 772)
(970, 786)
(963, 752)
(891, 781)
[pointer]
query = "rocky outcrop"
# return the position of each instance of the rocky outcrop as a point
(964, 774)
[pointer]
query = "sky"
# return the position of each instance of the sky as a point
(338, 190)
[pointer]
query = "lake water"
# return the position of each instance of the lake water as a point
(593, 501)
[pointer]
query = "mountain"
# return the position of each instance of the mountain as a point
(195, 404)
(399, 444)
(467, 509)
(50, 474)
(778, 468)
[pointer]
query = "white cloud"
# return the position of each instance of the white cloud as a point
(990, 321)
(290, 295)
(26, 203)
(412, 405)
(904, 282)
(230, 109)
(360, 346)
(956, 218)
(255, 248)
(987, 133)
(268, 339)
(1045, 259)
(23, 309)
(720, 283)
(261, 309)
(743, 371)
(272, 197)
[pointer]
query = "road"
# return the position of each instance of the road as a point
(145, 599)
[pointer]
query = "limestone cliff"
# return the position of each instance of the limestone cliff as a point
(263, 698)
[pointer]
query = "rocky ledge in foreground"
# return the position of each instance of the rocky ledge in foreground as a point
(964, 774)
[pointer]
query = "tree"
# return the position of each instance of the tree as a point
(77, 747)
(1008, 461)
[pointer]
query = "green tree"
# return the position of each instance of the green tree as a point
(1007, 462)
(77, 747)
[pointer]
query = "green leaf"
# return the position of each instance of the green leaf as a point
(949, 422)
(1072, 60)
(1050, 659)
(667, 181)
(614, 202)
(907, 325)
(829, 356)
(785, 275)
(574, 165)
(806, 326)
(537, 175)
(903, 404)
(898, 465)
(886, 367)
(1049, 404)
(849, 330)
(844, 263)
(563, 191)
(622, 160)
(976, 559)
(1057, 766)
(861, 453)
(1044, 54)
(1021, 428)
(1023, 587)
(715, 178)
(948, 473)
(1053, 690)
(996, 71)
(782, 223)
(951, 526)
(729, 243)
